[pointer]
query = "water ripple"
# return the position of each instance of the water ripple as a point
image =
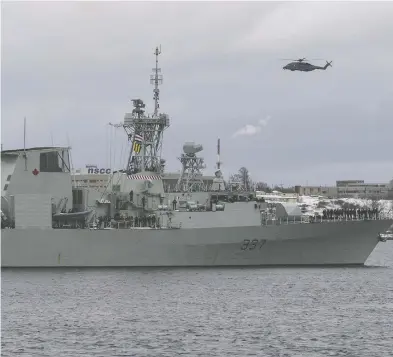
(201, 312)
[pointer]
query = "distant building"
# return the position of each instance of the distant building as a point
(349, 188)
(327, 191)
(91, 177)
(360, 189)
(98, 178)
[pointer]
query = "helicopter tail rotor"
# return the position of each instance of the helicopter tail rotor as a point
(328, 64)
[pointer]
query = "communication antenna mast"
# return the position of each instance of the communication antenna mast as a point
(218, 155)
(145, 132)
(24, 142)
(218, 181)
(156, 79)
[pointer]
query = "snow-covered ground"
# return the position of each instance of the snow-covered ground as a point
(313, 204)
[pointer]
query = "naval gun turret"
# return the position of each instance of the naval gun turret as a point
(191, 175)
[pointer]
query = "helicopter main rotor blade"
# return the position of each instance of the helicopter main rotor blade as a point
(291, 59)
(302, 59)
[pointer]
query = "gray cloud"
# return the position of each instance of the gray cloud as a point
(73, 67)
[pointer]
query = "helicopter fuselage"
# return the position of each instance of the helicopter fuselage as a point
(304, 66)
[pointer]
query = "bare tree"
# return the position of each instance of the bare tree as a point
(262, 186)
(243, 177)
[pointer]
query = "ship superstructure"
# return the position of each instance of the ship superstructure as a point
(49, 222)
(146, 131)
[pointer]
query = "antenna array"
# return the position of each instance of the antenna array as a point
(156, 79)
(145, 132)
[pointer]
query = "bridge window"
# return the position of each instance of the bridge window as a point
(49, 162)
(9, 178)
(54, 161)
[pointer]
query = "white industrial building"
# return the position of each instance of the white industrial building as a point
(361, 189)
(327, 191)
(349, 188)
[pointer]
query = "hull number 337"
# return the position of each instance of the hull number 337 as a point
(253, 244)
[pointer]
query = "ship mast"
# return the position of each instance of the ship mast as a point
(156, 79)
(218, 181)
(24, 143)
(218, 154)
(145, 132)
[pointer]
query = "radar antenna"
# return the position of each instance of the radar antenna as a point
(145, 132)
(191, 175)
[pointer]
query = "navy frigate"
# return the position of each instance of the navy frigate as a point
(48, 221)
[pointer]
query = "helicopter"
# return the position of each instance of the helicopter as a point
(300, 65)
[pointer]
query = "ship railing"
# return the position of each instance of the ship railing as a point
(131, 225)
(318, 219)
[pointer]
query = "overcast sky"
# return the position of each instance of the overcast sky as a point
(71, 68)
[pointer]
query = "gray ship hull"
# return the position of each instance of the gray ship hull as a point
(334, 243)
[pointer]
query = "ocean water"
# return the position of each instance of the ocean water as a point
(277, 312)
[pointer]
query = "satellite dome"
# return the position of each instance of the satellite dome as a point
(192, 148)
